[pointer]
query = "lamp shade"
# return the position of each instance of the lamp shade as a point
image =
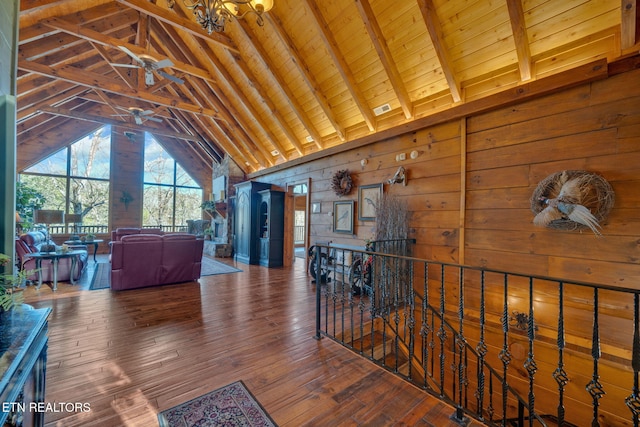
(265, 5)
(72, 218)
(47, 216)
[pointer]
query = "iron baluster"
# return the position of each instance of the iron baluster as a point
(425, 329)
(594, 387)
(442, 333)
(481, 348)
(318, 300)
(396, 313)
(460, 342)
(560, 375)
(505, 355)
(530, 363)
(412, 321)
(633, 400)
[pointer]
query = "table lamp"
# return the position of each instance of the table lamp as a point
(48, 217)
(74, 219)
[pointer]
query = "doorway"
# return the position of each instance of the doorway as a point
(300, 215)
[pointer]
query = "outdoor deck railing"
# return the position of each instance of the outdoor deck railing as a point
(504, 348)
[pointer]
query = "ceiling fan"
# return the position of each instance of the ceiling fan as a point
(139, 115)
(150, 65)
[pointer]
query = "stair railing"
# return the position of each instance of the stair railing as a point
(498, 346)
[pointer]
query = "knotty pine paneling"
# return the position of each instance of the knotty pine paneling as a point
(594, 126)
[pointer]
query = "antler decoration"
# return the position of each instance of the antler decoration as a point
(399, 177)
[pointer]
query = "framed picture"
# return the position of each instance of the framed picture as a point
(315, 207)
(343, 217)
(368, 197)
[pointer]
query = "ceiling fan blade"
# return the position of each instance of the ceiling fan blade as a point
(126, 65)
(138, 120)
(148, 78)
(154, 119)
(131, 54)
(146, 112)
(170, 77)
(164, 63)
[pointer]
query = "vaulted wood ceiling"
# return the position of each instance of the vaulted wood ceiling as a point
(309, 79)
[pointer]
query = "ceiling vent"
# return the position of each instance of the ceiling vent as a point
(275, 153)
(309, 138)
(381, 109)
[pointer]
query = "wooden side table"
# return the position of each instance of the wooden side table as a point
(55, 258)
(86, 243)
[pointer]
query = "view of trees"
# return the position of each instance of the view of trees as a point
(170, 194)
(76, 180)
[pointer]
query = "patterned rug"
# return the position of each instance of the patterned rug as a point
(102, 273)
(211, 266)
(101, 277)
(231, 405)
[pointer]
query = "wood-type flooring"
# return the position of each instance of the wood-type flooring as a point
(122, 357)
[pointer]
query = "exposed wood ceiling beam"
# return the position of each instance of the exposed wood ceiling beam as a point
(303, 69)
(333, 48)
(96, 37)
(185, 24)
(630, 24)
(118, 70)
(520, 38)
(224, 75)
(437, 39)
(139, 128)
(249, 39)
(93, 80)
(176, 42)
(52, 95)
(379, 43)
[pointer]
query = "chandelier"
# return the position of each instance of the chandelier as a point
(213, 14)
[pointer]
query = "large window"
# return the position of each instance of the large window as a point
(171, 196)
(76, 180)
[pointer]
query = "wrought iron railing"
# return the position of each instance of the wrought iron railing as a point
(104, 229)
(504, 348)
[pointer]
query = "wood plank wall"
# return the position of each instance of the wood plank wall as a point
(490, 164)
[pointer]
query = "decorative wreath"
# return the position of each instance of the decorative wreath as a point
(596, 194)
(341, 183)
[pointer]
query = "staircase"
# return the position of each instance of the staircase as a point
(454, 332)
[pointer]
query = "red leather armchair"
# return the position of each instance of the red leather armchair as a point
(32, 242)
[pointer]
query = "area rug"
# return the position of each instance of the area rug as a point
(231, 405)
(101, 277)
(211, 267)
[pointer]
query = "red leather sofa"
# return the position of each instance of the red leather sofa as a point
(143, 260)
(118, 233)
(32, 242)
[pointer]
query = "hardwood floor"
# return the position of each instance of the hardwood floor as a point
(131, 354)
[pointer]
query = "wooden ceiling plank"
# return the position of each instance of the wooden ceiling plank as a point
(256, 151)
(188, 124)
(239, 95)
(105, 98)
(212, 101)
(100, 38)
(93, 80)
(520, 38)
(303, 69)
(60, 92)
(184, 24)
(341, 65)
(434, 27)
(377, 38)
(104, 120)
(629, 25)
(208, 56)
(40, 121)
(249, 40)
(118, 70)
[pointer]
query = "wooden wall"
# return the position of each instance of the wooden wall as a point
(468, 191)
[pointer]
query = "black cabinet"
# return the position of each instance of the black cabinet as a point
(23, 346)
(247, 225)
(271, 217)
